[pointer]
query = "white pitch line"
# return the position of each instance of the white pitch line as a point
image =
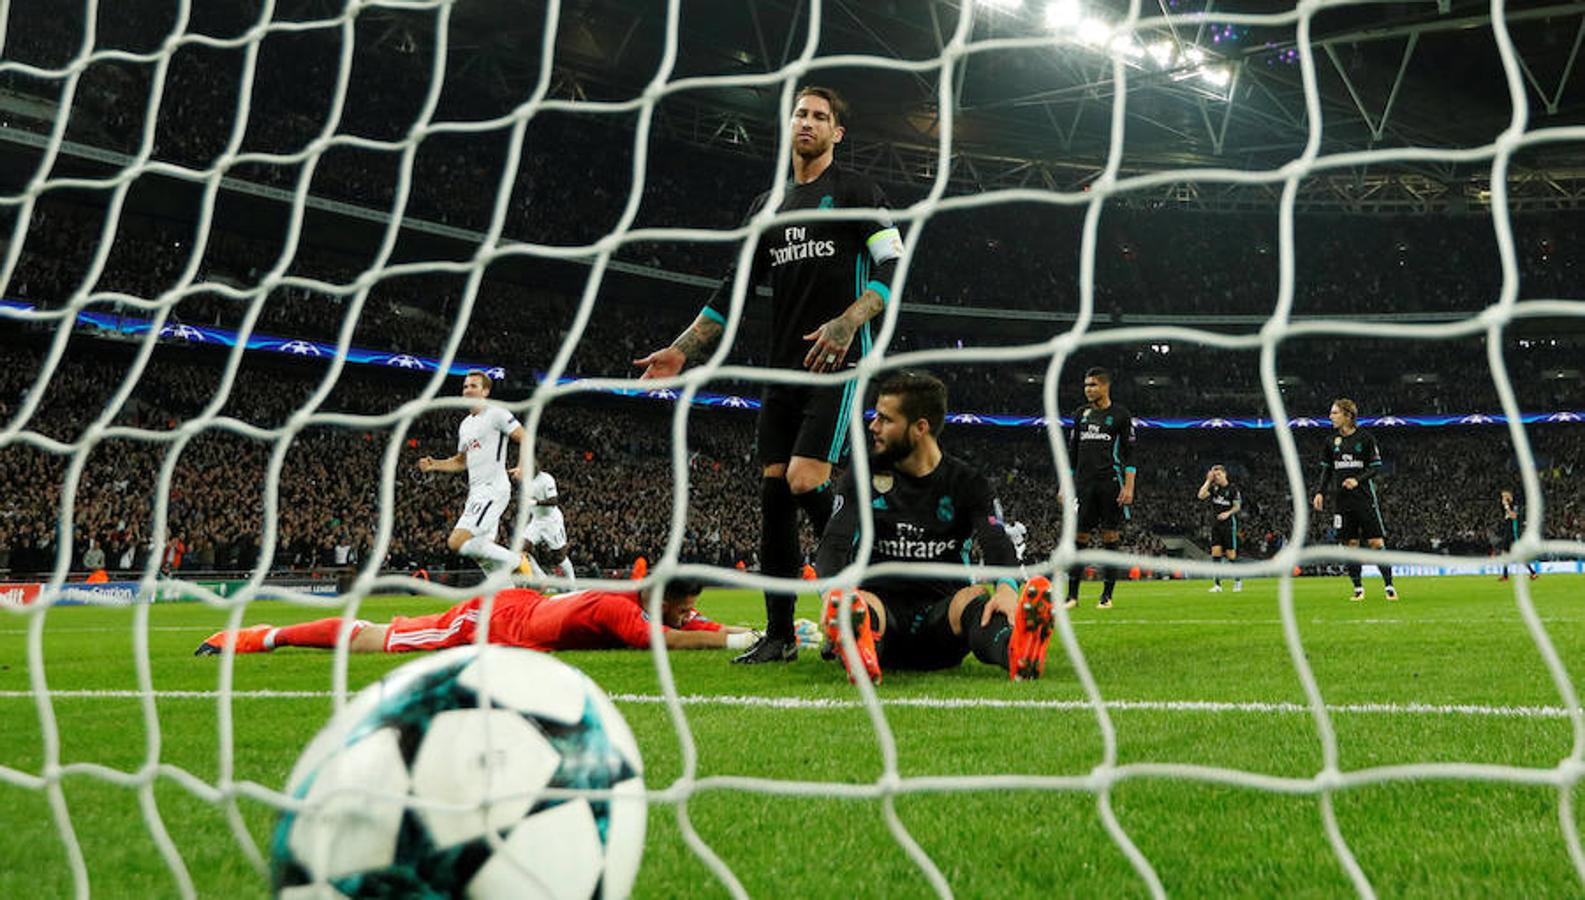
(951, 703)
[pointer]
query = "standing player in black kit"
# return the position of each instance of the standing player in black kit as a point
(1351, 459)
(828, 278)
(1101, 446)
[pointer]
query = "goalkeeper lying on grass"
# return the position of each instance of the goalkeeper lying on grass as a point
(581, 620)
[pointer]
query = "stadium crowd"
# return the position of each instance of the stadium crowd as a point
(612, 459)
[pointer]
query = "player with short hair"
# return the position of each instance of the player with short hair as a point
(481, 452)
(1226, 501)
(828, 278)
(928, 507)
(1350, 462)
(547, 529)
(1512, 515)
(1101, 444)
(519, 617)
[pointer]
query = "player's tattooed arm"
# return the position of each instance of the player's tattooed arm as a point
(668, 361)
(831, 340)
(698, 337)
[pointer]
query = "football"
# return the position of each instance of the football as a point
(485, 772)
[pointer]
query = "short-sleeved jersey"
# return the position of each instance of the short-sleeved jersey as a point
(1223, 499)
(940, 517)
(817, 269)
(1018, 533)
(483, 437)
(579, 620)
(1101, 443)
(543, 488)
(1347, 456)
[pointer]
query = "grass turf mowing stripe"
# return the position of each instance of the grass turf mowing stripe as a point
(1215, 706)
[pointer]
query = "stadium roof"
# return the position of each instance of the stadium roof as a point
(1033, 108)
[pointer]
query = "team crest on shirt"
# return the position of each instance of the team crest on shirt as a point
(1337, 442)
(882, 482)
(827, 203)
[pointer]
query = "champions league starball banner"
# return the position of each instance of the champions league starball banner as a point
(181, 332)
(306, 349)
(727, 401)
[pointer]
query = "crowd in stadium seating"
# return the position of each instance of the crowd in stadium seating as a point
(612, 461)
(522, 327)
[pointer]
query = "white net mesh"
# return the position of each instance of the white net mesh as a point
(51, 174)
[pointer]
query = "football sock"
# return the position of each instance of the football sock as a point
(483, 550)
(568, 570)
(1354, 570)
(1110, 571)
(816, 504)
(319, 633)
(778, 552)
(988, 642)
(1220, 560)
(1386, 574)
(1076, 573)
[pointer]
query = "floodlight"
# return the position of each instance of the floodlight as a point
(1095, 32)
(1063, 14)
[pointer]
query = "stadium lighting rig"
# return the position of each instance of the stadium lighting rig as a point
(1154, 50)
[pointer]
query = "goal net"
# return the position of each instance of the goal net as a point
(252, 246)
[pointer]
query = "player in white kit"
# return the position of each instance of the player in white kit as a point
(547, 530)
(481, 452)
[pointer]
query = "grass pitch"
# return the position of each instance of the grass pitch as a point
(1447, 675)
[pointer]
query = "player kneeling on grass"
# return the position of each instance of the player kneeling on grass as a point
(928, 507)
(580, 620)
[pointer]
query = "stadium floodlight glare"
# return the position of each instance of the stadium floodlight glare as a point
(1217, 75)
(1003, 5)
(1095, 32)
(1125, 46)
(1164, 53)
(1063, 14)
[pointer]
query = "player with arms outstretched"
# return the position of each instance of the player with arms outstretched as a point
(928, 507)
(1350, 462)
(828, 278)
(1101, 446)
(1226, 501)
(579, 620)
(1512, 515)
(481, 452)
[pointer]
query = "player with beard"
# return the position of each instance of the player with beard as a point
(828, 276)
(928, 507)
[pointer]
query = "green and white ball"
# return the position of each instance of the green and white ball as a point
(442, 778)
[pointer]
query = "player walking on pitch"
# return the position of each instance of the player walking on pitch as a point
(481, 452)
(1101, 445)
(1351, 459)
(928, 507)
(828, 278)
(1225, 501)
(547, 529)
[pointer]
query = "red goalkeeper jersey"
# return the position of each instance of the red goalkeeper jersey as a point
(580, 620)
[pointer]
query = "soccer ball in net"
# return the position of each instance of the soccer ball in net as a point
(416, 788)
